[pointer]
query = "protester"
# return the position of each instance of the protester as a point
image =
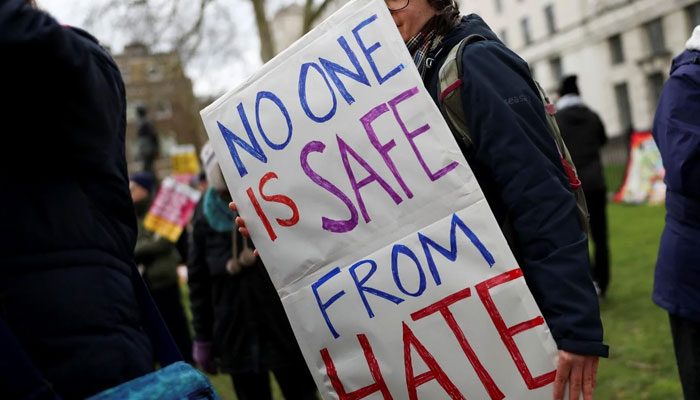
(677, 279)
(584, 134)
(199, 182)
(237, 314)
(516, 162)
(159, 258)
(66, 253)
(148, 143)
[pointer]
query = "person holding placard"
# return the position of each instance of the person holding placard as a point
(516, 163)
(237, 315)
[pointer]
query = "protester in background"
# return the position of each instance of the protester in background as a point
(159, 258)
(148, 143)
(584, 134)
(66, 252)
(237, 314)
(199, 182)
(677, 279)
(516, 163)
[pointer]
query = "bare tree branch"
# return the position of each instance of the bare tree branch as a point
(311, 14)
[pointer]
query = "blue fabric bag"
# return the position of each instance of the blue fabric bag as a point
(175, 380)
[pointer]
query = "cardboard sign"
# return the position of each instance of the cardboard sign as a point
(644, 176)
(391, 267)
(171, 209)
(184, 162)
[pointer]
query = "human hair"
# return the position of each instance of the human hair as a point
(447, 16)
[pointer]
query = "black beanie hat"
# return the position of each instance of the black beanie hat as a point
(569, 86)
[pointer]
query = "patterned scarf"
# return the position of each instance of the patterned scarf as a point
(419, 45)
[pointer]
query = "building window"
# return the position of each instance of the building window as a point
(557, 70)
(163, 109)
(525, 26)
(655, 34)
(126, 74)
(499, 6)
(655, 83)
(504, 36)
(617, 53)
(155, 73)
(549, 15)
(623, 106)
(693, 16)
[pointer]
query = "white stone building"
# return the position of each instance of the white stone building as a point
(288, 22)
(621, 50)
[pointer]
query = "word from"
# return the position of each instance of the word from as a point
(435, 371)
(427, 244)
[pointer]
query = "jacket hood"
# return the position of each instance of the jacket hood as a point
(471, 24)
(686, 57)
(694, 42)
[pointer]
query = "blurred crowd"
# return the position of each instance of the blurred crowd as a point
(71, 317)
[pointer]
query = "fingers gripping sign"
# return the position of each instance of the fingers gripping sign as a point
(578, 374)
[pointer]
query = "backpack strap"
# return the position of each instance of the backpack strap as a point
(450, 89)
(450, 102)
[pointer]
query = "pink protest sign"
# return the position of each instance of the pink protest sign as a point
(390, 265)
(171, 209)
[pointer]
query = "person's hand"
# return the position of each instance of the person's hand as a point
(240, 222)
(203, 354)
(580, 371)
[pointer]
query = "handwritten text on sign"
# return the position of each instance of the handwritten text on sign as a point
(393, 272)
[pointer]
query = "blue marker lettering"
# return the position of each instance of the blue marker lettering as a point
(401, 249)
(452, 253)
(334, 69)
(368, 52)
(324, 306)
(271, 96)
(302, 93)
(361, 289)
(232, 139)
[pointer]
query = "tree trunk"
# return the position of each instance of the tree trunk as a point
(267, 46)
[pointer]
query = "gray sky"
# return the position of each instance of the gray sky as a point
(208, 78)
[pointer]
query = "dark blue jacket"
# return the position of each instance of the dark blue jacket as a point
(677, 133)
(517, 165)
(68, 223)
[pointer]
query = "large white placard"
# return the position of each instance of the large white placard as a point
(393, 272)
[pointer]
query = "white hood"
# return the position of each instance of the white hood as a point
(694, 42)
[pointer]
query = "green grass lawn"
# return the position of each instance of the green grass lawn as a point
(641, 363)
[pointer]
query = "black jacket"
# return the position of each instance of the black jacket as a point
(584, 135)
(69, 228)
(241, 314)
(517, 165)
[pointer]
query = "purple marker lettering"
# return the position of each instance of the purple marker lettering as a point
(383, 149)
(373, 176)
(393, 103)
(328, 224)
